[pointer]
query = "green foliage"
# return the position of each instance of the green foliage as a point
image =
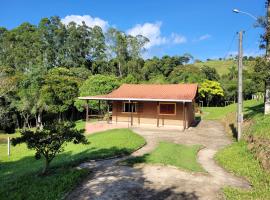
(7, 116)
(96, 85)
(186, 74)
(210, 73)
(61, 88)
(184, 157)
(209, 90)
(18, 172)
(49, 141)
(158, 79)
(130, 79)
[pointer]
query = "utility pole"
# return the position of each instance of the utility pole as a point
(240, 87)
(267, 81)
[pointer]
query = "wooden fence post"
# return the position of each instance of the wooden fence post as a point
(8, 141)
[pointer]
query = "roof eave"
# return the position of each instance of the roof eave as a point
(134, 99)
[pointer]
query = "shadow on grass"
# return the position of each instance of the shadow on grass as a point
(233, 130)
(20, 180)
(28, 164)
(135, 160)
(250, 112)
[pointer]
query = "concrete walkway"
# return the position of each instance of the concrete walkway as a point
(112, 181)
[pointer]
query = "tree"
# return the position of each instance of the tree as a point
(135, 46)
(7, 115)
(118, 44)
(209, 90)
(96, 85)
(49, 141)
(61, 89)
(210, 73)
(186, 74)
(152, 67)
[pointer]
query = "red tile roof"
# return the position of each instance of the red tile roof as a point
(155, 92)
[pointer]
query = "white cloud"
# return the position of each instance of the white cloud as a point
(89, 21)
(178, 39)
(151, 31)
(202, 37)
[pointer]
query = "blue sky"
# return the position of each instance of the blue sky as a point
(205, 29)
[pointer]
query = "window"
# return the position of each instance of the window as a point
(129, 107)
(167, 108)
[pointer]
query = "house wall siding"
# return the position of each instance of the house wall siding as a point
(147, 114)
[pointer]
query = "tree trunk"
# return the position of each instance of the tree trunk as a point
(59, 117)
(27, 121)
(119, 68)
(39, 120)
(46, 166)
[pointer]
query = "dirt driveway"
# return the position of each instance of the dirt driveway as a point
(112, 181)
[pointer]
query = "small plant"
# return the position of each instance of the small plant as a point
(49, 141)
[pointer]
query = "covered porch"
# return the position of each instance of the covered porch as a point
(131, 105)
(127, 113)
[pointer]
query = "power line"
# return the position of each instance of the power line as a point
(230, 46)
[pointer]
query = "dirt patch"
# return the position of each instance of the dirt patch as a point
(261, 149)
(112, 181)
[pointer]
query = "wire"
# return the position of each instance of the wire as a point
(229, 49)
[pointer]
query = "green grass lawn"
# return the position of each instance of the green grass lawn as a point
(239, 160)
(217, 113)
(18, 174)
(261, 123)
(184, 157)
(80, 124)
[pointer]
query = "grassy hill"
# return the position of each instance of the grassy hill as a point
(222, 66)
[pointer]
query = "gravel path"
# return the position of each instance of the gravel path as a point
(112, 181)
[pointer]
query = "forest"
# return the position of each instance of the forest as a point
(45, 67)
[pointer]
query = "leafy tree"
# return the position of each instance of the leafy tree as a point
(134, 68)
(135, 46)
(261, 73)
(210, 73)
(60, 90)
(7, 115)
(159, 79)
(152, 67)
(96, 85)
(52, 34)
(130, 79)
(186, 74)
(20, 47)
(118, 44)
(49, 141)
(209, 90)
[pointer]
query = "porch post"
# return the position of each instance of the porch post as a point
(157, 114)
(131, 114)
(116, 110)
(184, 116)
(87, 110)
(108, 112)
(98, 109)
